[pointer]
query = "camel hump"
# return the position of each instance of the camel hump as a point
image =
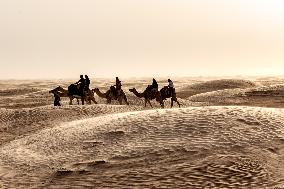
(149, 87)
(72, 89)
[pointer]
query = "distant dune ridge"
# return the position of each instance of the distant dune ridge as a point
(224, 136)
(214, 85)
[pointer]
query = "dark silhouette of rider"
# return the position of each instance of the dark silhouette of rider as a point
(118, 86)
(171, 87)
(154, 86)
(82, 83)
(87, 82)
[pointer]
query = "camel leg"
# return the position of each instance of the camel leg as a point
(89, 101)
(175, 100)
(82, 99)
(94, 100)
(120, 101)
(71, 98)
(150, 103)
(125, 99)
(162, 104)
(172, 102)
(178, 103)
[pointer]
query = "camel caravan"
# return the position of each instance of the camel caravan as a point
(81, 91)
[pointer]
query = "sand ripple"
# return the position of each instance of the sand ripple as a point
(210, 147)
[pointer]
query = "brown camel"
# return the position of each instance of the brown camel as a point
(164, 92)
(160, 96)
(110, 96)
(89, 95)
(147, 95)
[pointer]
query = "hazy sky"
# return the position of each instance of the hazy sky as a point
(105, 38)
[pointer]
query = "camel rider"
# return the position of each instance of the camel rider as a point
(87, 82)
(154, 86)
(82, 85)
(171, 87)
(118, 86)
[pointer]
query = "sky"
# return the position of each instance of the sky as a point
(140, 38)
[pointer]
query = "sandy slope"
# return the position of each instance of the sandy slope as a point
(21, 122)
(113, 146)
(267, 96)
(214, 85)
(238, 147)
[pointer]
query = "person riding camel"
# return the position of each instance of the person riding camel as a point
(82, 83)
(154, 86)
(118, 86)
(87, 82)
(171, 87)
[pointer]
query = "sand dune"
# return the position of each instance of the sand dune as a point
(238, 147)
(213, 85)
(270, 96)
(228, 145)
(16, 123)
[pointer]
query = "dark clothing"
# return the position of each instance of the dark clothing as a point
(155, 84)
(171, 91)
(87, 83)
(82, 82)
(118, 87)
(118, 84)
(82, 86)
(154, 87)
(171, 87)
(113, 91)
(56, 100)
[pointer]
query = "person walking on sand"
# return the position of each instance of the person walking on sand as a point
(56, 99)
(171, 87)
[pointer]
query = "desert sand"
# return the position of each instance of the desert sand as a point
(229, 133)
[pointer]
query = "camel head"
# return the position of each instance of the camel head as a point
(52, 91)
(57, 89)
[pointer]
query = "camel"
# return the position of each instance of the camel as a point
(147, 95)
(109, 96)
(160, 96)
(164, 92)
(89, 95)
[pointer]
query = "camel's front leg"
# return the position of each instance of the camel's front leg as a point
(163, 104)
(94, 100)
(82, 99)
(125, 99)
(178, 103)
(71, 98)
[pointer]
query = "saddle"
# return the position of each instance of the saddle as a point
(73, 89)
(113, 92)
(168, 92)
